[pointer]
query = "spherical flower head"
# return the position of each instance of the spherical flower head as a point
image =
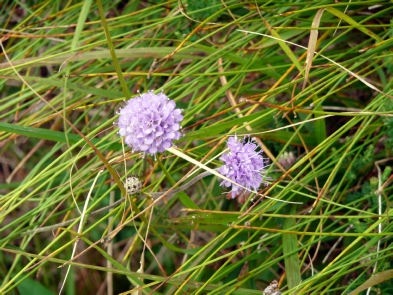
(287, 159)
(150, 123)
(243, 165)
(133, 185)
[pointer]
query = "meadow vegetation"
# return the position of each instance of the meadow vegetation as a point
(308, 82)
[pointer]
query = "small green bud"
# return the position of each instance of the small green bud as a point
(374, 183)
(386, 173)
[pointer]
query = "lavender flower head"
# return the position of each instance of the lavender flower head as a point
(150, 123)
(243, 165)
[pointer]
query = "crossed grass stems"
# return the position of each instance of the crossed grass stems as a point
(351, 145)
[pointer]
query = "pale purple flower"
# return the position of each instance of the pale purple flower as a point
(287, 159)
(243, 165)
(150, 123)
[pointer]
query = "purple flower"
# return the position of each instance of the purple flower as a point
(243, 165)
(287, 159)
(150, 123)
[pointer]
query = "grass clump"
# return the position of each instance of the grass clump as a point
(320, 225)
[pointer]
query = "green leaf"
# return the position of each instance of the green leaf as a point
(279, 135)
(133, 53)
(351, 21)
(206, 218)
(291, 258)
(285, 136)
(29, 286)
(221, 127)
(71, 85)
(52, 135)
(373, 280)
